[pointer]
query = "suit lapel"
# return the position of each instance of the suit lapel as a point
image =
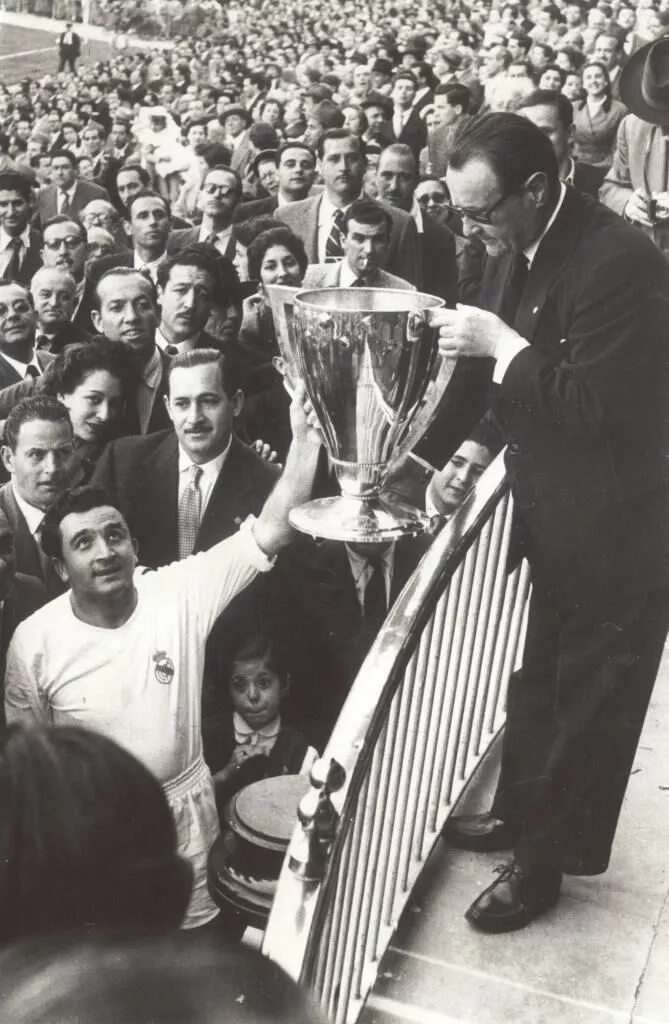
(234, 496)
(158, 495)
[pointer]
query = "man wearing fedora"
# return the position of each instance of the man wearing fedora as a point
(637, 186)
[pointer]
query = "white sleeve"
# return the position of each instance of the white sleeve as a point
(24, 702)
(507, 351)
(209, 580)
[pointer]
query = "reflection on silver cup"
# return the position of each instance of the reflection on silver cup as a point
(371, 366)
(281, 299)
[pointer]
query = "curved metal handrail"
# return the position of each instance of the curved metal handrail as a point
(418, 657)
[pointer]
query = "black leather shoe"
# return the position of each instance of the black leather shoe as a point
(515, 898)
(480, 833)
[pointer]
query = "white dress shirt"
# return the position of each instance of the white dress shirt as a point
(7, 253)
(187, 345)
(20, 367)
(210, 474)
(151, 267)
(417, 214)
(34, 517)
(222, 242)
(362, 572)
(510, 347)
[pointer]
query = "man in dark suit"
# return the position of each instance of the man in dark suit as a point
(554, 114)
(317, 220)
(38, 453)
(396, 180)
(219, 197)
(67, 194)
(408, 126)
(573, 315)
(20, 595)
(53, 291)
(152, 474)
(69, 49)
(296, 169)
(20, 244)
(18, 319)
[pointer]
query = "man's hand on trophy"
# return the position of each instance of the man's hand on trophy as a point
(303, 421)
(468, 331)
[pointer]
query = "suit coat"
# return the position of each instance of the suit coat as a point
(8, 374)
(583, 408)
(414, 132)
(71, 334)
(30, 560)
(84, 192)
(144, 473)
(588, 179)
(256, 208)
(638, 162)
(72, 49)
(404, 251)
(327, 275)
(440, 275)
(25, 595)
(31, 259)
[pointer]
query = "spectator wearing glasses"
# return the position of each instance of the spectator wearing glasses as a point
(220, 195)
(64, 247)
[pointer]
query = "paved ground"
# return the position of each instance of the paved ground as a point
(29, 52)
(600, 957)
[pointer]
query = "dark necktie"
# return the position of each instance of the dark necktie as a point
(42, 341)
(515, 287)
(31, 373)
(15, 245)
(65, 207)
(375, 606)
(334, 250)
(171, 351)
(359, 282)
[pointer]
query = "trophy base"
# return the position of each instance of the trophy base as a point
(380, 518)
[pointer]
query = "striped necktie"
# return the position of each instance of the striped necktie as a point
(15, 247)
(334, 249)
(189, 513)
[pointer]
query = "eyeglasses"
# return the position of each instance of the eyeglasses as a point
(71, 242)
(219, 190)
(483, 216)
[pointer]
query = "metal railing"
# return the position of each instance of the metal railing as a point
(427, 703)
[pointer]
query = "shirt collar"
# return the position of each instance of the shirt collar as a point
(33, 516)
(417, 214)
(531, 250)
(359, 562)
(211, 468)
(152, 369)
(568, 178)
(223, 234)
(181, 346)
(327, 210)
(22, 367)
(151, 265)
(24, 236)
(245, 734)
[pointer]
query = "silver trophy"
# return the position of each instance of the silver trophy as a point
(282, 299)
(372, 369)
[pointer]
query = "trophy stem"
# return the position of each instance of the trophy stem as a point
(368, 519)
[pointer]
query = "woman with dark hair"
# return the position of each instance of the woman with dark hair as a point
(88, 840)
(94, 380)
(596, 118)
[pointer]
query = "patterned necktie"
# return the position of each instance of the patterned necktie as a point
(31, 373)
(189, 513)
(15, 246)
(334, 250)
(375, 606)
(65, 207)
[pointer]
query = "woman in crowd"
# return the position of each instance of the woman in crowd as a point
(276, 256)
(596, 118)
(87, 841)
(94, 380)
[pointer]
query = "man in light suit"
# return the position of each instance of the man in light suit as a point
(18, 322)
(573, 305)
(67, 194)
(366, 230)
(317, 220)
(636, 186)
(38, 453)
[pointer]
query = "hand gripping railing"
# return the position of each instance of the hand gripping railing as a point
(420, 716)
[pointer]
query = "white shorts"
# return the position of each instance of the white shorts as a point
(191, 799)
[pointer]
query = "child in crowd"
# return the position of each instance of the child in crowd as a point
(254, 743)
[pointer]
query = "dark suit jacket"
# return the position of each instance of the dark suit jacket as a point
(31, 260)
(440, 276)
(588, 179)
(584, 407)
(414, 132)
(8, 374)
(72, 49)
(30, 559)
(186, 236)
(404, 252)
(144, 473)
(256, 208)
(85, 192)
(25, 595)
(71, 334)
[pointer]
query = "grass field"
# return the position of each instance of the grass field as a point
(26, 52)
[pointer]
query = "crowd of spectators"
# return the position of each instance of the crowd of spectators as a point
(147, 205)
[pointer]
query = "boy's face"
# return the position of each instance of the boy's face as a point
(256, 692)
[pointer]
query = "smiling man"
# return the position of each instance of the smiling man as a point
(18, 321)
(133, 664)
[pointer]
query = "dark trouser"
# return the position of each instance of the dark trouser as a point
(69, 61)
(574, 717)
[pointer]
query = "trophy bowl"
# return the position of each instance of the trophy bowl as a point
(370, 362)
(281, 298)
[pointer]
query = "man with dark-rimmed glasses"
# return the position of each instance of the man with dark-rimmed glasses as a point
(579, 385)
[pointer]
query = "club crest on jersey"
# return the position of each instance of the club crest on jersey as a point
(163, 667)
